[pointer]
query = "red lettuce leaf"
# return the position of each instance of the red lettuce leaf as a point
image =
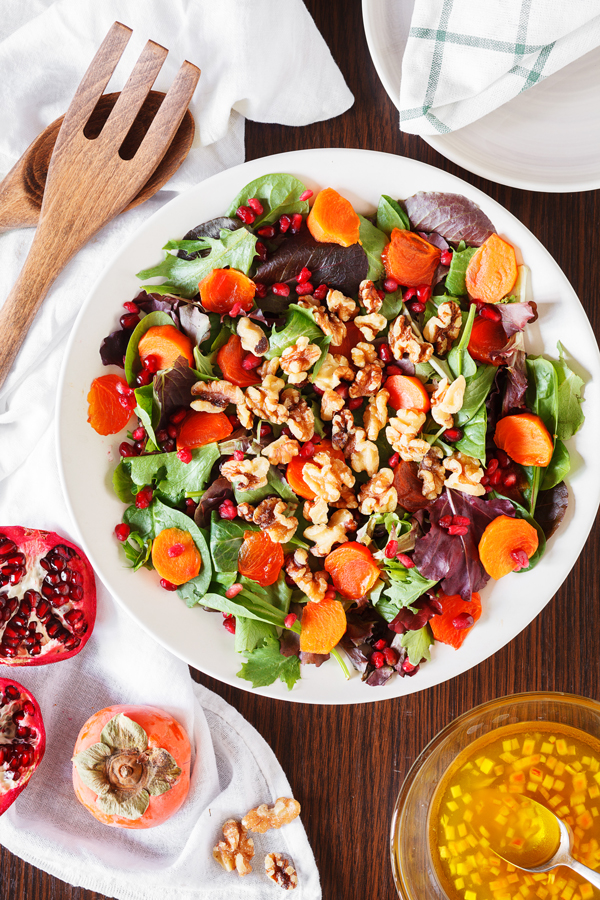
(173, 389)
(114, 347)
(211, 499)
(515, 316)
(516, 384)
(453, 216)
(454, 559)
(551, 507)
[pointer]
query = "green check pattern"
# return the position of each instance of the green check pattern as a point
(465, 58)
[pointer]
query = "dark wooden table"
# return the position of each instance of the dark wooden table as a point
(346, 764)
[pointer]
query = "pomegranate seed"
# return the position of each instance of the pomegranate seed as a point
(178, 416)
(234, 420)
(304, 287)
(235, 310)
(487, 311)
(143, 378)
(391, 656)
(184, 455)
(390, 285)
(171, 431)
(122, 532)
(284, 223)
(391, 549)
(462, 620)
(175, 550)
(261, 289)
(234, 590)
(377, 659)
(256, 205)
(246, 215)
(267, 231)
(282, 290)
(416, 307)
(330, 593)
(318, 391)
(128, 401)
(405, 560)
(129, 321)
(485, 480)
(446, 257)
(394, 460)
(261, 250)
(131, 307)
(167, 585)
(296, 224)
(408, 667)
(305, 275)
(460, 520)
(126, 449)
(409, 294)
(308, 450)
(384, 353)
(321, 292)
(168, 446)
(227, 510)
(151, 363)
(143, 499)
(265, 430)
(139, 434)
(342, 390)
(250, 362)
(381, 295)
(162, 435)
(392, 370)
(445, 521)
(509, 479)
(491, 466)
(519, 557)
(424, 292)
(238, 455)
(190, 506)
(458, 529)
(355, 403)
(503, 459)
(290, 620)
(306, 195)
(229, 624)
(29, 708)
(453, 435)
(12, 692)
(380, 644)
(496, 478)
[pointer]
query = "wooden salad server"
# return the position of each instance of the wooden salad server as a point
(89, 181)
(22, 190)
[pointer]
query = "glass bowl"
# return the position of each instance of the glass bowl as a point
(412, 865)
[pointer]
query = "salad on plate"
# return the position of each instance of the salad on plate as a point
(339, 437)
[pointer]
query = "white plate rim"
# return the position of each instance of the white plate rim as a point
(309, 690)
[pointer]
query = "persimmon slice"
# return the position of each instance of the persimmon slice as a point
(487, 338)
(260, 558)
(225, 288)
(525, 438)
(166, 343)
(410, 259)
(296, 465)
(492, 271)
(407, 392)
(229, 360)
(409, 487)
(106, 414)
(323, 626)
(175, 555)
(353, 569)
(500, 541)
(443, 627)
(332, 219)
(200, 428)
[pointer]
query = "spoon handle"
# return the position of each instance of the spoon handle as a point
(585, 872)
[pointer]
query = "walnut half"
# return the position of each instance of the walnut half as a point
(263, 817)
(281, 871)
(246, 474)
(236, 851)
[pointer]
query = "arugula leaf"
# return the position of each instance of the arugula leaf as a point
(373, 241)
(417, 644)
(570, 416)
(474, 431)
(390, 215)
(173, 477)
(542, 391)
(455, 279)
(277, 594)
(122, 483)
(148, 413)
(279, 195)
(266, 664)
(249, 633)
(299, 322)
(234, 249)
(557, 469)
(225, 541)
(132, 360)
(406, 585)
(204, 366)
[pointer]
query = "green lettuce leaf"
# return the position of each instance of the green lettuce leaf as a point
(417, 643)
(279, 195)
(373, 241)
(266, 664)
(172, 477)
(390, 215)
(570, 416)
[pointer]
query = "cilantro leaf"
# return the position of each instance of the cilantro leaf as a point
(266, 664)
(417, 643)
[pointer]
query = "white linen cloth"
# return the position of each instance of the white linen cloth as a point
(465, 58)
(262, 59)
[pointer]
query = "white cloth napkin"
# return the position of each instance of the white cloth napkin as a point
(465, 58)
(262, 59)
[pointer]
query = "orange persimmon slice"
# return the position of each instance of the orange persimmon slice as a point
(223, 289)
(323, 626)
(502, 537)
(353, 337)
(525, 438)
(410, 259)
(175, 555)
(167, 344)
(229, 360)
(260, 558)
(492, 271)
(487, 338)
(200, 428)
(407, 392)
(106, 413)
(443, 627)
(353, 569)
(296, 465)
(332, 219)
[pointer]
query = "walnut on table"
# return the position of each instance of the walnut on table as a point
(236, 851)
(402, 339)
(368, 296)
(281, 871)
(215, 396)
(264, 817)
(314, 584)
(378, 494)
(443, 329)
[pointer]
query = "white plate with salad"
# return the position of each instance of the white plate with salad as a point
(410, 561)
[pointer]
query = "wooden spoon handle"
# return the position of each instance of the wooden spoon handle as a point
(17, 208)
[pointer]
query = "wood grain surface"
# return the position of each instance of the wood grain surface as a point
(346, 764)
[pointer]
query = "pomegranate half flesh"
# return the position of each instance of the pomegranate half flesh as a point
(47, 597)
(22, 739)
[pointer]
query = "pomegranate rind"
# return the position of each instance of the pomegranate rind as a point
(163, 731)
(8, 797)
(35, 544)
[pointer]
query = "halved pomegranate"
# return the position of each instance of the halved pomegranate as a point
(47, 597)
(22, 739)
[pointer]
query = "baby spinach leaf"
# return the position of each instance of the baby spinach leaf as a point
(542, 391)
(277, 594)
(174, 478)
(266, 664)
(122, 483)
(140, 520)
(279, 195)
(373, 241)
(473, 440)
(299, 322)
(148, 413)
(558, 468)
(476, 391)
(570, 416)
(234, 249)
(165, 517)
(392, 305)
(417, 644)
(225, 541)
(390, 215)
(455, 279)
(132, 360)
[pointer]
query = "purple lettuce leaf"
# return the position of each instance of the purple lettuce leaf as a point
(149, 303)
(211, 499)
(194, 323)
(173, 389)
(114, 347)
(452, 216)
(516, 384)
(454, 559)
(551, 507)
(515, 316)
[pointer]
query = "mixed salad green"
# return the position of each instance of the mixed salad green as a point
(327, 430)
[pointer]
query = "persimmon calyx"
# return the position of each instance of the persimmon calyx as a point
(123, 771)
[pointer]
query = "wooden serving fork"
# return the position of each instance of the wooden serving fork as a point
(88, 182)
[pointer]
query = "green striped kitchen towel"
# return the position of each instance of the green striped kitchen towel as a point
(465, 58)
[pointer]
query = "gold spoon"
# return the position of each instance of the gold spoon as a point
(22, 191)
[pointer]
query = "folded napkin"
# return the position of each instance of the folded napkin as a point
(263, 60)
(465, 58)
